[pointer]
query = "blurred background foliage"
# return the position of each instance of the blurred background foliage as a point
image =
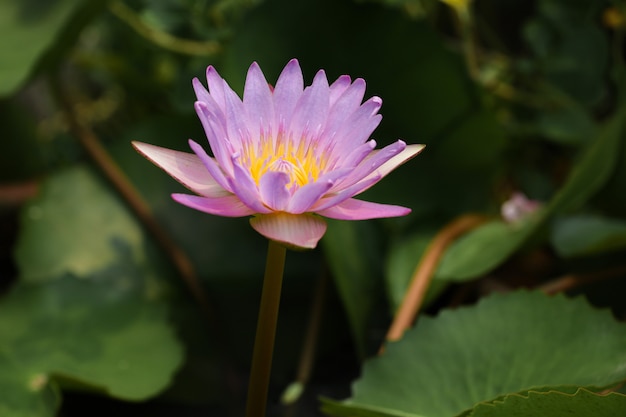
(512, 97)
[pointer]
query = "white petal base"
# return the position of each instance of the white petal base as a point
(296, 231)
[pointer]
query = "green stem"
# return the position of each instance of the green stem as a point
(266, 331)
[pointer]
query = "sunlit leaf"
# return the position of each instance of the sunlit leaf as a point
(88, 308)
(72, 227)
(102, 331)
(505, 344)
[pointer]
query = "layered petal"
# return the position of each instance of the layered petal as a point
(287, 92)
(246, 189)
(344, 194)
(258, 103)
(311, 110)
(338, 87)
(184, 167)
(211, 166)
(307, 196)
(227, 206)
(353, 209)
(236, 119)
(345, 104)
(357, 127)
(215, 130)
(368, 167)
(273, 189)
(294, 230)
(394, 162)
(216, 86)
(286, 155)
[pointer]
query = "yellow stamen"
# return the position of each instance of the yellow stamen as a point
(302, 161)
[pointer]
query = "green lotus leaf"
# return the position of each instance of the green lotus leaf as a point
(507, 343)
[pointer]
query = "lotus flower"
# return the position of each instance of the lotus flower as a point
(286, 155)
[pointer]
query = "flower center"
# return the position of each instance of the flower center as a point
(300, 160)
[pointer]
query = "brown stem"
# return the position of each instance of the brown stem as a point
(89, 141)
(425, 270)
(570, 281)
(17, 193)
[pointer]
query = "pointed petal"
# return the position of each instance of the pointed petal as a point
(311, 110)
(357, 127)
(338, 87)
(287, 91)
(308, 195)
(201, 92)
(246, 189)
(298, 231)
(237, 129)
(273, 189)
(215, 130)
(409, 152)
(258, 102)
(345, 105)
(356, 156)
(369, 166)
(227, 206)
(216, 86)
(343, 194)
(353, 209)
(186, 168)
(210, 165)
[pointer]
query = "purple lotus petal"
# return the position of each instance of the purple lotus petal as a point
(286, 156)
(344, 105)
(358, 126)
(338, 87)
(308, 195)
(353, 209)
(216, 135)
(228, 206)
(344, 194)
(311, 110)
(356, 156)
(370, 164)
(294, 230)
(211, 166)
(210, 108)
(184, 167)
(216, 86)
(273, 189)
(201, 92)
(408, 153)
(258, 102)
(287, 91)
(237, 126)
(245, 188)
